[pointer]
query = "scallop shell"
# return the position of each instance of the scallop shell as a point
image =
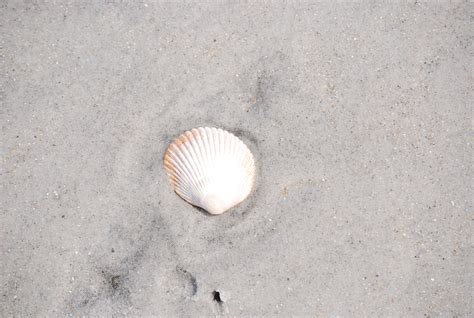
(210, 168)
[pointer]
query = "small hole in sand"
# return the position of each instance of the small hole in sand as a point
(217, 297)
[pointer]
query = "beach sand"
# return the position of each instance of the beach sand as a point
(358, 115)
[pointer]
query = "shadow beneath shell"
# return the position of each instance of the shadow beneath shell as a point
(201, 210)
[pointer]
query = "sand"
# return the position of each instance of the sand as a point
(359, 116)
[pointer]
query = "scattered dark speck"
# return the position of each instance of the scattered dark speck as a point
(115, 282)
(112, 250)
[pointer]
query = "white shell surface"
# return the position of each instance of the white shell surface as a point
(210, 168)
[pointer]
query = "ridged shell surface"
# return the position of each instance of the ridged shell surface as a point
(210, 168)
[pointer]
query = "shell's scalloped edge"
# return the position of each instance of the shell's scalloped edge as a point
(179, 140)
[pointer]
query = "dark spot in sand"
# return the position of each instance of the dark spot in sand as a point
(115, 284)
(216, 296)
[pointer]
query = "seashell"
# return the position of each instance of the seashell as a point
(210, 168)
